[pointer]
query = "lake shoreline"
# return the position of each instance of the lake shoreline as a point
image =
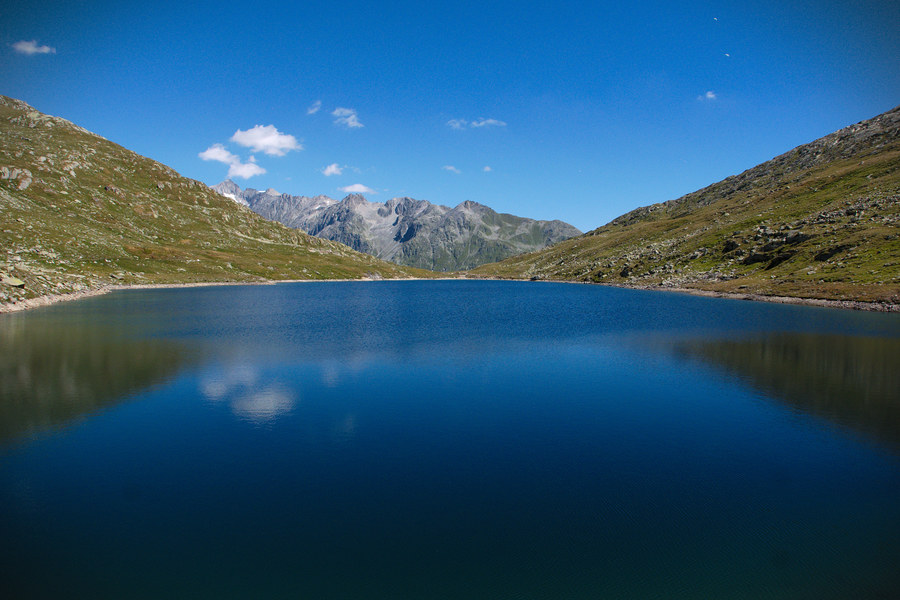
(822, 302)
(50, 299)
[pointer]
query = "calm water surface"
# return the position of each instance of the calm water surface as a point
(451, 439)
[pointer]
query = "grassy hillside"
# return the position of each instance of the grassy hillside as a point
(79, 212)
(820, 221)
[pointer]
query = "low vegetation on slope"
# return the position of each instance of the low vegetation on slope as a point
(820, 221)
(79, 212)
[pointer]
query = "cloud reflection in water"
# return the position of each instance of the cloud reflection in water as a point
(265, 405)
(249, 400)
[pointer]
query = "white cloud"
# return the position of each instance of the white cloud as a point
(358, 188)
(236, 168)
(462, 123)
(332, 169)
(487, 169)
(488, 122)
(452, 169)
(346, 117)
(266, 139)
(31, 47)
(219, 153)
(710, 95)
(314, 107)
(245, 170)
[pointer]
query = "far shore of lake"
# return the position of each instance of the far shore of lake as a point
(87, 293)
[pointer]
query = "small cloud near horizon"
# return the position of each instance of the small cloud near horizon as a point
(236, 168)
(488, 123)
(30, 47)
(332, 169)
(266, 139)
(463, 123)
(346, 117)
(314, 107)
(487, 169)
(710, 95)
(357, 188)
(452, 169)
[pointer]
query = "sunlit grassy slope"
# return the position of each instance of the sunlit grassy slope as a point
(79, 212)
(820, 221)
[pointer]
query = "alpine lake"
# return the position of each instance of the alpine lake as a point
(447, 439)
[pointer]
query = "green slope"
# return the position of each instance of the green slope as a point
(820, 221)
(79, 212)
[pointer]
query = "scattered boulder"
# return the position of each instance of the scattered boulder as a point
(756, 257)
(11, 281)
(729, 246)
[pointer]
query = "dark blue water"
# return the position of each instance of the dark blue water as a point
(451, 439)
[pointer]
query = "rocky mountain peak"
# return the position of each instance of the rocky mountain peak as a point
(229, 187)
(468, 206)
(354, 200)
(231, 190)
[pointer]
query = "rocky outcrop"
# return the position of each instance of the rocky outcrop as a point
(21, 178)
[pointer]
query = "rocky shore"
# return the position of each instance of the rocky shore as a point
(846, 304)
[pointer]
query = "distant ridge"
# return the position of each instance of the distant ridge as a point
(819, 221)
(407, 231)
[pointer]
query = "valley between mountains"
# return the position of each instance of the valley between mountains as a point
(79, 213)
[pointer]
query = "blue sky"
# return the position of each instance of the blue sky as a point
(579, 111)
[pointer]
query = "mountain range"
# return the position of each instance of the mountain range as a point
(819, 221)
(406, 231)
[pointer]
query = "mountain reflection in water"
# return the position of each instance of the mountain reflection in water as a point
(52, 373)
(853, 382)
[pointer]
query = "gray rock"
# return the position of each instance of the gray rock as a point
(11, 281)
